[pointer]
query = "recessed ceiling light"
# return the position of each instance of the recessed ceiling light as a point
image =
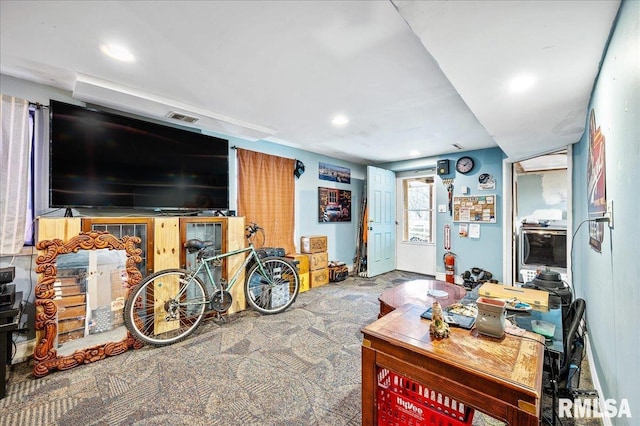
(117, 52)
(339, 120)
(414, 153)
(521, 83)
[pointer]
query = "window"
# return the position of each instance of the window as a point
(418, 209)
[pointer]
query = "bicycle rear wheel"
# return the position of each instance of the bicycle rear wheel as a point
(273, 290)
(165, 307)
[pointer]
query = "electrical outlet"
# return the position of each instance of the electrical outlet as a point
(7, 274)
(609, 212)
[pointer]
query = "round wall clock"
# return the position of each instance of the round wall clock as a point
(464, 164)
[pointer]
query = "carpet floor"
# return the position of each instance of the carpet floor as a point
(300, 367)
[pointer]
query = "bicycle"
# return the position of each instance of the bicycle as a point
(169, 305)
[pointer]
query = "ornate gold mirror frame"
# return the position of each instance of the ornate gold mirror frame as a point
(46, 322)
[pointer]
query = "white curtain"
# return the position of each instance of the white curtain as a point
(15, 154)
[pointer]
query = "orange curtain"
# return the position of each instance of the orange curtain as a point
(266, 195)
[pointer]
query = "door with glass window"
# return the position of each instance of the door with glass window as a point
(415, 246)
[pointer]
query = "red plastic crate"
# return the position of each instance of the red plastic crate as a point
(404, 402)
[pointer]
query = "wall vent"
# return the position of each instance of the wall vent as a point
(181, 117)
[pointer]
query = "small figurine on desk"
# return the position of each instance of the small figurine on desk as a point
(439, 328)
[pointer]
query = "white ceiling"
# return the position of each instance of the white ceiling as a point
(410, 75)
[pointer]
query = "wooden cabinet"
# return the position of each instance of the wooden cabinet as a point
(133, 226)
(163, 240)
(227, 233)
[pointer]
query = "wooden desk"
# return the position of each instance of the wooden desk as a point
(500, 377)
(417, 292)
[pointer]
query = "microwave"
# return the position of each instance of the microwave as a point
(543, 247)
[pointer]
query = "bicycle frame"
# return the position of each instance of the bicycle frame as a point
(205, 264)
(156, 315)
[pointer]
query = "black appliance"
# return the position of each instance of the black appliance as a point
(7, 290)
(9, 320)
(551, 282)
(443, 167)
(103, 160)
(541, 247)
(8, 296)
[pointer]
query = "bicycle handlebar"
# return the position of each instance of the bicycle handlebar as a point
(195, 245)
(252, 229)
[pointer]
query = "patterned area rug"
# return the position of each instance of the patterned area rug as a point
(301, 367)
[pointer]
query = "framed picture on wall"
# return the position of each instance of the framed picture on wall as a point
(334, 173)
(334, 205)
(596, 183)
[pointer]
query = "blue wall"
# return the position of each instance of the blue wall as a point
(341, 236)
(609, 281)
(485, 252)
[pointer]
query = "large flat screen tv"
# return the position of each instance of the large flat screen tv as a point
(103, 160)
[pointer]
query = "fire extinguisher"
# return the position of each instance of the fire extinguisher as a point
(449, 257)
(449, 266)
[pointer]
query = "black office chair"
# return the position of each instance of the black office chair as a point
(573, 344)
(562, 377)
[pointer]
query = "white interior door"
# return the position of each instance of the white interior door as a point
(381, 229)
(411, 256)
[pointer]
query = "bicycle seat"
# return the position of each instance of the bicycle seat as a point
(195, 245)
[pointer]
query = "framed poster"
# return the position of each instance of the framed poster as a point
(334, 173)
(596, 183)
(334, 205)
(480, 208)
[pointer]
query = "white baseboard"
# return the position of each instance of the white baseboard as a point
(24, 350)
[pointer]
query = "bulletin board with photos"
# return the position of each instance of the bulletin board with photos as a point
(475, 209)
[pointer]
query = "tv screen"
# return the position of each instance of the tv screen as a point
(104, 160)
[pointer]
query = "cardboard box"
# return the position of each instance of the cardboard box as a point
(304, 282)
(319, 278)
(318, 260)
(303, 261)
(313, 244)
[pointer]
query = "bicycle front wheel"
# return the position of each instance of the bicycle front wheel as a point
(166, 307)
(272, 288)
